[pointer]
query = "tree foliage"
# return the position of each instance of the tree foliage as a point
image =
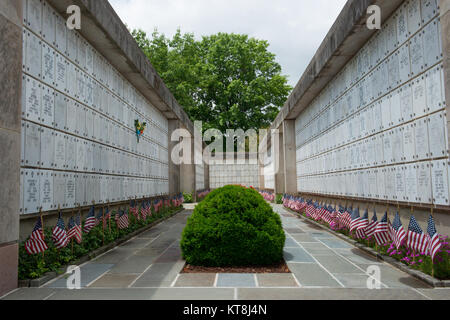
(225, 80)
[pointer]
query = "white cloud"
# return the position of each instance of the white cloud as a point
(294, 28)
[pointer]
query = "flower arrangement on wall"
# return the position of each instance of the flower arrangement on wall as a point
(140, 128)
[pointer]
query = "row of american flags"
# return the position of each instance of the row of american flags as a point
(267, 195)
(381, 231)
(61, 236)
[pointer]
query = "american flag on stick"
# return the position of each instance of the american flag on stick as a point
(370, 230)
(75, 229)
(417, 240)
(122, 221)
(382, 233)
(362, 225)
(398, 232)
(59, 234)
(434, 242)
(90, 221)
(346, 218)
(36, 243)
(356, 218)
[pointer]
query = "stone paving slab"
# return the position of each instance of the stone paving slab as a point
(29, 294)
(353, 280)
(327, 294)
(137, 243)
(145, 294)
(290, 243)
(134, 264)
(196, 280)
(297, 255)
(304, 238)
(89, 273)
(358, 256)
(312, 275)
(336, 264)
(114, 281)
(333, 243)
(294, 231)
(158, 274)
(114, 256)
(172, 254)
(437, 293)
(236, 280)
(276, 280)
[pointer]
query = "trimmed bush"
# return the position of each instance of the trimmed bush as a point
(233, 226)
(187, 197)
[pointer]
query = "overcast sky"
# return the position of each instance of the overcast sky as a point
(294, 28)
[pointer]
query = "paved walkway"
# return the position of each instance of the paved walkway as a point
(148, 266)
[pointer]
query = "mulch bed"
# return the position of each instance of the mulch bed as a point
(277, 268)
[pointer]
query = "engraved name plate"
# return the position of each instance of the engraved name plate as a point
(48, 106)
(60, 151)
(48, 65)
(61, 73)
(409, 144)
(70, 192)
(59, 189)
(34, 15)
(417, 54)
(46, 190)
(32, 99)
(47, 148)
(32, 145)
(434, 90)
(419, 97)
(439, 177)
(31, 192)
(432, 52)
(60, 34)
(411, 183)
(424, 182)
(436, 133)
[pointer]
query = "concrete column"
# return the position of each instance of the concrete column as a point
(290, 154)
(187, 173)
(279, 174)
(261, 177)
(174, 169)
(10, 127)
(445, 31)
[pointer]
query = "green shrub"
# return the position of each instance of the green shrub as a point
(233, 226)
(279, 199)
(187, 197)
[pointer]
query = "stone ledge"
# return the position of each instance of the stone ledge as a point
(436, 283)
(36, 283)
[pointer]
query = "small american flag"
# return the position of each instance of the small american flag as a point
(362, 225)
(356, 218)
(59, 234)
(434, 242)
(36, 244)
(382, 234)
(370, 230)
(398, 232)
(346, 218)
(75, 229)
(417, 239)
(99, 217)
(90, 221)
(122, 221)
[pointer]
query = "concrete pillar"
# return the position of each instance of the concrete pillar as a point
(445, 31)
(187, 173)
(174, 169)
(290, 154)
(279, 174)
(10, 127)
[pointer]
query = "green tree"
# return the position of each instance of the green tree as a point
(225, 80)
